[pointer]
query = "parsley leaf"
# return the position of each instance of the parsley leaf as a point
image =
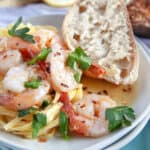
(41, 56)
(13, 29)
(77, 75)
(45, 104)
(22, 33)
(39, 121)
(119, 117)
(83, 60)
(63, 124)
(25, 112)
(78, 59)
(32, 84)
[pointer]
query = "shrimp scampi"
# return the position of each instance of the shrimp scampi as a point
(87, 116)
(43, 87)
(14, 57)
(42, 37)
(15, 95)
(8, 59)
(62, 77)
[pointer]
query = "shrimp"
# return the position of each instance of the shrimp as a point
(15, 96)
(15, 78)
(9, 59)
(55, 70)
(87, 116)
(13, 50)
(49, 38)
(16, 43)
(62, 77)
(26, 99)
(43, 39)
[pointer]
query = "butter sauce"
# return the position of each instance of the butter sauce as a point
(122, 94)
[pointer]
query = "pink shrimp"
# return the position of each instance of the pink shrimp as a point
(62, 77)
(24, 100)
(87, 116)
(15, 95)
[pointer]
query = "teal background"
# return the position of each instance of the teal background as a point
(141, 142)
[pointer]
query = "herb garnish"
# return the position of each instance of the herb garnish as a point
(25, 112)
(39, 121)
(78, 60)
(118, 117)
(41, 56)
(45, 103)
(22, 33)
(63, 124)
(32, 84)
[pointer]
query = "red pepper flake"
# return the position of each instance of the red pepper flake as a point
(48, 68)
(99, 93)
(105, 92)
(90, 92)
(57, 54)
(44, 66)
(64, 85)
(82, 106)
(94, 102)
(52, 92)
(17, 43)
(83, 121)
(128, 89)
(42, 139)
(124, 90)
(85, 88)
(5, 56)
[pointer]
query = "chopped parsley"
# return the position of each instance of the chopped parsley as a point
(119, 117)
(25, 112)
(41, 56)
(45, 104)
(22, 33)
(32, 84)
(39, 121)
(63, 124)
(78, 60)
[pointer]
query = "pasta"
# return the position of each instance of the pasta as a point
(22, 126)
(10, 122)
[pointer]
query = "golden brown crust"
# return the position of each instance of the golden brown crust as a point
(131, 36)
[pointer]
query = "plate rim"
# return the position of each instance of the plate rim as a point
(130, 136)
(137, 121)
(119, 134)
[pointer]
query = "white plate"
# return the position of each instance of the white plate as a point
(141, 107)
(130, 136)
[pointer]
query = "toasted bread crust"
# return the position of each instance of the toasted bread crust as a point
(117, 75)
